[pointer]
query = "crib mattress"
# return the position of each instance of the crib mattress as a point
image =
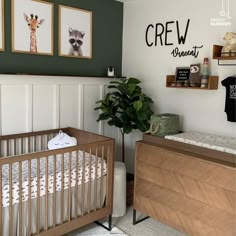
(89, 175)
(215, 142)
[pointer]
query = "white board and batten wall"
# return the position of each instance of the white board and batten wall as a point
(31, 103)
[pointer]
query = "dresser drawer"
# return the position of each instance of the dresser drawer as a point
(187, 165)
(193, 195)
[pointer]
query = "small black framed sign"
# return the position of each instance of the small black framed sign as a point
(182, 73)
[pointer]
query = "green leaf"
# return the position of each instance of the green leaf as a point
(115, 82)
(147, 99)
(142, 116)
(112, 87)
(131, 88)
(99, 101)
(123, 88)
(133, 81)
(115, 122)
(103, 116)
(127, 129)
(137, 105)
(128, 115)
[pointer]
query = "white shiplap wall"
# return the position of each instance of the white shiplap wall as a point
(30, 103)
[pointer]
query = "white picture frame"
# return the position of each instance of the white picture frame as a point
(2, 44)
(74, 32)
(26, 38)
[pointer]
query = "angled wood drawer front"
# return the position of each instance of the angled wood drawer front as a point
(187, 217)
(187, 165)
(193, 195)
(192, 188)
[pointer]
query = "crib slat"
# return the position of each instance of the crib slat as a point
(46, 193)
(109, 168)
(101, 191)
(29, 144)
(0, 197)
(20, 198)
(62, 190)
(76, 185)
(38, 194)
(22, 145)
(29, 197)
(14, 142)
(10, 200)
(42, 148)
(8, 147)
(54, 191)
(35, 138)
(83, 183)
(69, 190)
(95, 181)
(47, 139)
(89, 181)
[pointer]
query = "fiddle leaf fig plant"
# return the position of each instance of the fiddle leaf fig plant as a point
(126, 107)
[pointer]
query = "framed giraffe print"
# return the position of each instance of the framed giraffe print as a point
(32, 27)
(75, 32)
(1, 25)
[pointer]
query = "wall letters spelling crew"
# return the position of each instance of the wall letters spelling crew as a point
(158, 35)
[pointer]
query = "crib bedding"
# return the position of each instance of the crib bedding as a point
(215, 142)
(94, 203)
(95, 166)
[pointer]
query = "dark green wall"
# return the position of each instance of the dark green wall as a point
(107, 44)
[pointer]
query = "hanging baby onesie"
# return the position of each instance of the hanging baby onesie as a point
(230, 99)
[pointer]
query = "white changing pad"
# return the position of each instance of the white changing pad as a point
(216, 142)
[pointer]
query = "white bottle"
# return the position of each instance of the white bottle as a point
(205, 73)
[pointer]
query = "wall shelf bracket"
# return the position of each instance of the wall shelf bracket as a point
(225, 64)
(217, 54)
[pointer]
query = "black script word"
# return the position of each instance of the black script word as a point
(194, 52)
(153, 33)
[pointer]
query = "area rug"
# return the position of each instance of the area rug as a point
(99, 231)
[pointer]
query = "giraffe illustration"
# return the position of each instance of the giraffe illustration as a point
(33, 24)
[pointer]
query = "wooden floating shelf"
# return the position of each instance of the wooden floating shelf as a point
(212, 83)
(217, 54)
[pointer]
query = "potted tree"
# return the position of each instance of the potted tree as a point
(126, 107)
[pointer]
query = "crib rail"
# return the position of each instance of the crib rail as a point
(17, 144)
(43, 208)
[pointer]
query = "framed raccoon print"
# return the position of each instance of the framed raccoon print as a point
(75, 32)
(32, 27)
(1, 25)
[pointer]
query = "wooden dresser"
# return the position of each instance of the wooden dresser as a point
(190, 188)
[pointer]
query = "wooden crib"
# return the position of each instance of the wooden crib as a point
(52, 192)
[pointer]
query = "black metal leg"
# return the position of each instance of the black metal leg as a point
(109, 223)
(109, 228)
(137, 221)
(134, 217)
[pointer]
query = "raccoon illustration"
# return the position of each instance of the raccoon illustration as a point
(76, 40)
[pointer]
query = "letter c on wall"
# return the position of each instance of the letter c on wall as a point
(147, 30)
